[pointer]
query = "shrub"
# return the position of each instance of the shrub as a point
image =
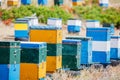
(109, 15)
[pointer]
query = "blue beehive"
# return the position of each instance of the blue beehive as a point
(22, 29)
(115, 47)
(100, 44)
(86, 49)
(42, 2)
(26, 2)
(73, 25)
(104, 3)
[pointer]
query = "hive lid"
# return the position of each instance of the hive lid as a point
(32, 44)
(92, 21)
(115, 36)
(79, 37)
(54, 18)
(70, 41)
(39, 27)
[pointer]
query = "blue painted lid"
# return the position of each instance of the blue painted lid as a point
(33, 44)
(21, 20)
(79, 38)
(76, 0)
(70, 41)
(100, 28)
(116, 37)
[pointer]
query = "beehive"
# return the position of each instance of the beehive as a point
(26, 2)
(53, 37)
(54, 57)
(115, 47)
(92, 23)
(33, 21)
(58, 2)
(71, 54)
(21, 29)
(12, 2)
(86, 49)
(73, 25)
(77, 2)
(42, 2)
(9, 60)
(101, 44)
(104, 3)
(33, 60)
(57, 22)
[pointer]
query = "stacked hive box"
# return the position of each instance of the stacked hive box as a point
(42, 2)
(86, 49)
(71, 53)
(12, 2)
(26, 2)
(77, 2)
(33, 60)
(53, 36)
(9, 60)
(58, 2)
(92, 23)
(104, 3)
(22, 26)
(101, 44)
(22, 29)
(74, 25)
(55, 22)
(32, 21)
(115, 47)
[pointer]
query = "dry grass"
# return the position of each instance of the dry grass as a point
(110, 73)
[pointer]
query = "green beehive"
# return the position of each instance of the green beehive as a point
(33, 52)
(71, 52)
(9, 52)
(58, 2)
(54, 49)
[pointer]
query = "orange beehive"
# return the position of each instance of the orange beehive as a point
(77, 3)
(12, 2)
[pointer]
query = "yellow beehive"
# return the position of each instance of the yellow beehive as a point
(77, 3)
(32, 71)
(53, 63)
(12, 2)
(49, 36)
(22, 26)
